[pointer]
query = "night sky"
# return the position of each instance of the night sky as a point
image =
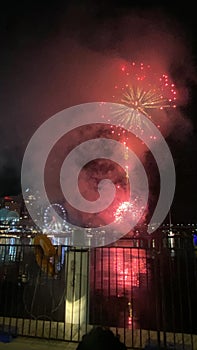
(49, 48)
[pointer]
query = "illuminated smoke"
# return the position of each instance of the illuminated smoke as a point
(81, 63)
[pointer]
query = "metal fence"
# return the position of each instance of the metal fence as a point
(145, 291)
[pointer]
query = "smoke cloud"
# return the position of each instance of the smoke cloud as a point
(80, 62)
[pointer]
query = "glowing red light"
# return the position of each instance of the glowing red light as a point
(7, 198)
(129, 320)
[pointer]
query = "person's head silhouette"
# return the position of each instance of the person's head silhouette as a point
(100, 339)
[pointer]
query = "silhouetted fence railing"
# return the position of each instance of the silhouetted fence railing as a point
(144, 291)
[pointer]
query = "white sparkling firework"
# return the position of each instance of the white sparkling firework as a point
(129, 211)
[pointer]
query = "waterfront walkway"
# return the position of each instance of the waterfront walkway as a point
(21, 343)
(25, 343)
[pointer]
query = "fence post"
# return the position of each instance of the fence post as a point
(76, 299)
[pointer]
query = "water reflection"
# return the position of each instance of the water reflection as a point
(116, 276)
(8, 248)
(144, 288)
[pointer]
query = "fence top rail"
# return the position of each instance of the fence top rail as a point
(131, 244)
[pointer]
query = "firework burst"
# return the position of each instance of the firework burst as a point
(142, 89)
(129, 211)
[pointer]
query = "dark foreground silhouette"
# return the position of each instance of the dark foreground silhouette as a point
(100, 339)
